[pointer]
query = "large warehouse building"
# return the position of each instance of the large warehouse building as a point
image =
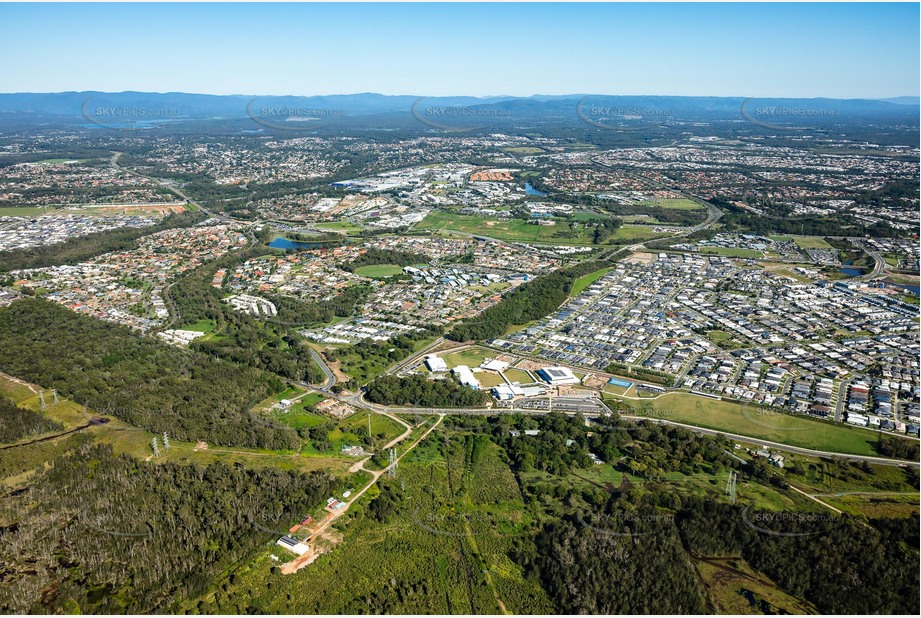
(557, 376)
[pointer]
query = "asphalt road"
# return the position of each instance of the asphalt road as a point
(330, 376)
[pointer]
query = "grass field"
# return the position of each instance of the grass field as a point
(379, 271)
(517, 375)
(472, 357)
(732, 252)
(586, 280)
(30, 211)
(811, 242)
(202, 326)
(297, 417)
(339, 226)
(675, 204)
(506, 229)
(635, 232)
(124, 438)
(52, 161)
(522, 231)
(725, 340)
(876, 504)
(767, 425)
(524, 150)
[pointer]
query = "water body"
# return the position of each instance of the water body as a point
(852, 271)
(532, 191)
(914, 289)
(285, 243)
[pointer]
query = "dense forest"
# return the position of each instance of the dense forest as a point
(373, 256)
(17, 423)
(419, 391)
(639, 539)
(130, 537)
(80, 248)
(842, 564)
(674, 216)
(144, 382)
(529, 301)
(637, 567)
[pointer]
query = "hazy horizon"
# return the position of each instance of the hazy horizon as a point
(841, 51)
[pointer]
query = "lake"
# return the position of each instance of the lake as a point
(532, 191)
(852, 271)
(285, 243)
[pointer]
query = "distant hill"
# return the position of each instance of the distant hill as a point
(148, 108)
(903, 100)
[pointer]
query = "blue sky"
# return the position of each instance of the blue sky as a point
(797, 50)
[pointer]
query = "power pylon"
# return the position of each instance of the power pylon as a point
(731, 486)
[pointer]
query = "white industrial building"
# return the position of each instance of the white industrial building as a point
(494, 365)
(557, 376)
(435, 363)
(292, 545)
(466, 377)
(505, 392)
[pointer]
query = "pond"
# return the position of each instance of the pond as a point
(532, 191)
(852, 271)
(285, 243)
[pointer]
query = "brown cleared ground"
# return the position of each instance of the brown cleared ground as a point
(733, 587)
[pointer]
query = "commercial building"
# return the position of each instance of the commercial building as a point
(557, 376)
(435, 363)
(494, 365)
(466, 377)
(292, 545)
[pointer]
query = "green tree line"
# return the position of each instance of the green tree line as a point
(132, 537)
(138, 379)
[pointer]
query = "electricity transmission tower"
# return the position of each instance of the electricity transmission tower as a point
(165, 440)
(392, 468)
(731, 486)
(156, 448)
(41, 396)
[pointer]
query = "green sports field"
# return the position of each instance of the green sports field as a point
(379, 271)
(757, 423)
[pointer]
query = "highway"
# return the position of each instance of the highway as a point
(592, 405)
(878, 268)
(327, 372)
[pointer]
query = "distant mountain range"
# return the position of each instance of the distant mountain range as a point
(113, 107)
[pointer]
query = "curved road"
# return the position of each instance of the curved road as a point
(330, 376)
